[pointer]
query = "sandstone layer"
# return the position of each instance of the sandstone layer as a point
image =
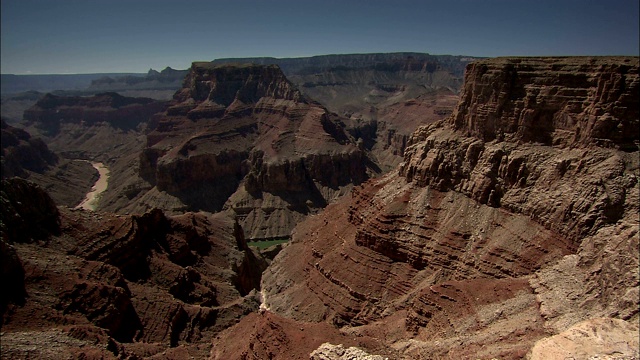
(512, 220)
(242, 138)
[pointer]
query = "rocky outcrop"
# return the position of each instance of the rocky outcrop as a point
(601, 338)
(501, 224)
(106, 128)
(243, 138)
(553, 101)
(66, 181)
(21, 152)
(119, 286)
(329, 351)
(28, 213)
(267, 335)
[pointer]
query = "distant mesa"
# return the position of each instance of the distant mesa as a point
(245, 139)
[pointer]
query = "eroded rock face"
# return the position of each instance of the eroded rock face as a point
(104, 128)
(554, 101)
(28, 213)
(270, 336)
(384, 97)
(21, 152)
(119, 286)
(329, 351)
(243, 138)
(601, 338)
(497, 226)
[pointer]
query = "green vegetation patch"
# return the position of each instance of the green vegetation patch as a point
(266, 243)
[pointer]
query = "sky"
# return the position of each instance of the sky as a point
(106, 36)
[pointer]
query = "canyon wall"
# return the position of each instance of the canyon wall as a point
(513, 219)
(384, 97)
(99, 285)
(242, 138)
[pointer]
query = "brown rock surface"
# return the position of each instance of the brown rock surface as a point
(269, 336)
(51, 111)
(511, 222)
(384, 96)
(103, 285)
(21, 152)
(601, 338)
(243, 138)
(494, 221)
(105, 128)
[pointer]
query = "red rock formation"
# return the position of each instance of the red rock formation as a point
(554, 101)
(497, 217)
(118, 286)
(243, 137)
(269, 336)
(67, 182)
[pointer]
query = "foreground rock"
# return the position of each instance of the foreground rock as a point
(591, 339)
(101, 285)
(514, 218)
(243, 138)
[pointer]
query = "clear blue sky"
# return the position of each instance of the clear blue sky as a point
(87, 36)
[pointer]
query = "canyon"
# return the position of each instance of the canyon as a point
(500, 222)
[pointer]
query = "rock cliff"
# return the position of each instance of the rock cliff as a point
(513, 219)
(244, 139)
(384, 97)
(29, 157)
(21, 152)
(107, 128)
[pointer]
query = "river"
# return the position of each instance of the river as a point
(90, 202)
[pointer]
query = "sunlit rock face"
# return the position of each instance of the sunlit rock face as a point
(515, 216)
(242, 138)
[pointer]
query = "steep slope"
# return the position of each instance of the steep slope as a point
(29, 157)
(244, 139)
(385, 96)
(107, 128)
(21, 152)
(514, 219)
(99, 285)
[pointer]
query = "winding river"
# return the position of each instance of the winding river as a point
(90, 202)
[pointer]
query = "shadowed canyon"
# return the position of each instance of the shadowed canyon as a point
(426, 207)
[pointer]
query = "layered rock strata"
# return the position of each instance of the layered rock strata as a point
(99, 285)
(514, 218)
(107, 128)
(122, 112)
(243, 138)
(385, 97)
(29, 157)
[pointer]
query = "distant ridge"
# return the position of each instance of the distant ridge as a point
(11, 84)
(325, 62)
